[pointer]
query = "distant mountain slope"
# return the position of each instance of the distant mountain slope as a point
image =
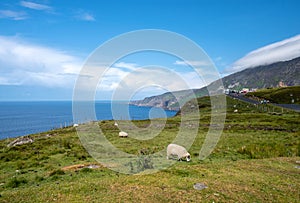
(287, 72)
(266, 76)
(169, 100)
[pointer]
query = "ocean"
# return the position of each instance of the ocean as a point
(24, 118)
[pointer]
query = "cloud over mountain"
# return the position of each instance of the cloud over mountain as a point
(280, 51)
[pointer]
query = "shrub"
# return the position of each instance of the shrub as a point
(86, 170)
(143, 162)
(57, 172)
(39, 178)
(67, 144)
(16, 182)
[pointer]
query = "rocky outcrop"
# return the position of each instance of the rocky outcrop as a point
(20, 141)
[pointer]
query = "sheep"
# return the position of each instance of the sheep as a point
(179, 151)
(75, 125)
(123, 134)
(116, 124)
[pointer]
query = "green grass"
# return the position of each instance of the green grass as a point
(254, 161)
(283, 95)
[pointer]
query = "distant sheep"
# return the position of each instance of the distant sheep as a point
(75, 125)
(123, 134)
(179, 151)
(116, 124)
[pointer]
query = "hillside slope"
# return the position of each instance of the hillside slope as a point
(259, 77)
(169, 100)
(266, 76)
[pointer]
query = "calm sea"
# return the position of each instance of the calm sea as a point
(23, 118)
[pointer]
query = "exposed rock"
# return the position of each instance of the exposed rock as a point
(77, 167)
(20, 141)
(92, 166)
(199, 186)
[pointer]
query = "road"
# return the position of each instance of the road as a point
(241, 97)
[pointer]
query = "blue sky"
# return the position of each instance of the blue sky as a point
(44, 43)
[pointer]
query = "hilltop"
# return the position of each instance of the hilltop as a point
(256, 160)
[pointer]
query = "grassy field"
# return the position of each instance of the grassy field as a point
(283, 95)
(255, 161)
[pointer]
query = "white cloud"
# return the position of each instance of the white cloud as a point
(147, 77)
(4, 81)
(206, 71)
(114, 75)
(35, 6)
(192, 63)
(155, 80)
(88, 17)
(219, 58)
(194, 81)
(13, 15)
(151, 75)
(111, 78)
(280, 51)
(130, 66)
(23, 63)
(85, 16)
(127, 79)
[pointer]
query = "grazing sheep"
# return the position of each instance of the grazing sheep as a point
(75, 125)
(179, 151)
(116, 124)
(123, 134)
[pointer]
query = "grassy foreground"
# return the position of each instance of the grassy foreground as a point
(256, 160)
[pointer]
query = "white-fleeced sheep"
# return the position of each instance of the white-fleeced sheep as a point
(123, 134)
(179, 151)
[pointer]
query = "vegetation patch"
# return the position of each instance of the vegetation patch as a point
(15, 182)
(283, 95)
